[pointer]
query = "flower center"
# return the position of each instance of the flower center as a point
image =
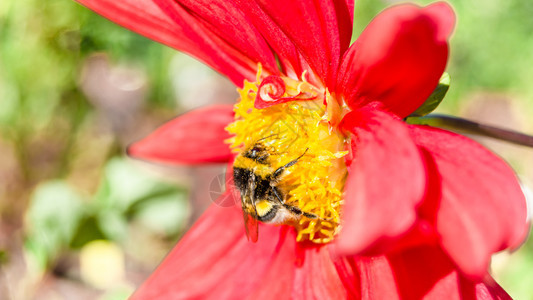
(283, 137)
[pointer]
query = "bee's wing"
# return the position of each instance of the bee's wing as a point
(251, 226)
(250, 218)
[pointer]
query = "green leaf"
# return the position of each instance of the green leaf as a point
(53, 217)
(165, 214)
(124, 185)
(128, 193)
(88, 230)
(113, 224)
(435, 98)
(120, 293)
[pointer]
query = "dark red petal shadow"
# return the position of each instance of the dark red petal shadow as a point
(167, 22)
(421, 273)
(195, 137)
(320, 29)
(481, 208)
(386, 181)
(398, 59)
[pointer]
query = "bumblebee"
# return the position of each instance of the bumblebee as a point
(257, 181)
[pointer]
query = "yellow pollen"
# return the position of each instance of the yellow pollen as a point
(298, 129)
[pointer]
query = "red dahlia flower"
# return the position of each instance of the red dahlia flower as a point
(391, 210)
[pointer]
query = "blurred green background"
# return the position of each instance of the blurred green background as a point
(76, 89)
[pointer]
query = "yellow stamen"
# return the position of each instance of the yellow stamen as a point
(315, 183)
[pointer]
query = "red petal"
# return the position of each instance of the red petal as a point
(216, 261)
(398, 59)
(227, 20)
(195, 137)
(376, 278)
(169, 23)
(480, 208)
(317, 278)
(276, 281)
(488, 289)
(426, 272)
(420, 273)
(320, 30)
(288, 56)
(385, 184)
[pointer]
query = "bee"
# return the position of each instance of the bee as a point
(257, 181)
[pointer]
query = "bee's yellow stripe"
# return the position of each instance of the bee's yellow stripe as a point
(249, 164)
(263, 207)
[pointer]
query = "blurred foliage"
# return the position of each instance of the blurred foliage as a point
(42, 48)
(54, 214)
(59, 218)
(63, 178)
(65, 183)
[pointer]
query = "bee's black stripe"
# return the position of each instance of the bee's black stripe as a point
(241, 177)
(262, 159)
(257, 153)
(269, 215)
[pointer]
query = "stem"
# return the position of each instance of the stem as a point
(467, 126)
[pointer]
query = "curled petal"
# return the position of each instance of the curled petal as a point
(271, 89)
(386, 181)
(274, 90)
(479, 207)
(195, 137)
(398, 59)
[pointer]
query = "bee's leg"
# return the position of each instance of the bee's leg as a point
(266, 137)
(310, 215)
(294, 209)
(297, 211)
(277, 194)
(280, 170)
